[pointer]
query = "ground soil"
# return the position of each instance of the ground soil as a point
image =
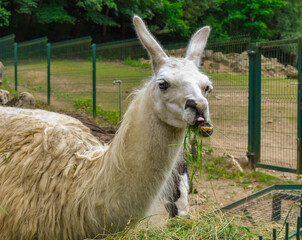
(216, 193)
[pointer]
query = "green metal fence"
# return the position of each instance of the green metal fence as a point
(33, 50)
(120, 62)
(120, 50)
(278, 207)
(72, 49)
(7, 55)
(7, 49)
(275, 105)
(30, 67)
(70, 72)
(255, 104)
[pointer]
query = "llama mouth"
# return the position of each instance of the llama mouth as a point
(205, 128)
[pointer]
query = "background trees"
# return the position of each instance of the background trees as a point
(106, 20)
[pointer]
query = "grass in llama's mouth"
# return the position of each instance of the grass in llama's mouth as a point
(204, 127)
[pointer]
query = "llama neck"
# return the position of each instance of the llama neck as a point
(140, 158)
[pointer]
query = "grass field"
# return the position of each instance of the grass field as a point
(71, 80)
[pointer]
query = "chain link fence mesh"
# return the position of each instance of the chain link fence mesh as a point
(271, 210)
(71, 72)
(121, 60)
(32, 66)
(227, 65)
(7, 49)
(7, 58)
(279, 91)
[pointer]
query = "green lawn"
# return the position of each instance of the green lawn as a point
(71, 80)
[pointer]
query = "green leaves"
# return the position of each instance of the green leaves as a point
(93, 10)
(251, 16)
(236, 15)
(53, 13)
(4, 15)
(26, 6)
(172, 16)
(288, 21)
(261, 19)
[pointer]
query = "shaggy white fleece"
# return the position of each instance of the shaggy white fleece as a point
(46, 163)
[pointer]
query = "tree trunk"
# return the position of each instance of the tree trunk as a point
(104, 26)
(123, 23)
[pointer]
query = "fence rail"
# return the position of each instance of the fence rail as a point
(275, 105)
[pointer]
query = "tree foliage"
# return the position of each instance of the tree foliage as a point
(250, 16)
(53, 13)
(104, 19)
(288, 20)
(4, 15)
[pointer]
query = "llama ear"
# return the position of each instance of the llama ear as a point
(156, 53)
(197, 45)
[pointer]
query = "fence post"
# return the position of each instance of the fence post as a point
(94, 79)
(286, 230)
(254, 110)
(48, 72)
(299, 128)
(274, 234)
(250, 153)
(16, 65)
(120, 96)
(298, 228)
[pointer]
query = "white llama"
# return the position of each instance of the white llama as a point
(58, 182)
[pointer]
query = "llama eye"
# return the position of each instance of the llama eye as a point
(164, 85)
(207, 91)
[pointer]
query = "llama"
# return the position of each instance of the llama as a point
(57, 181)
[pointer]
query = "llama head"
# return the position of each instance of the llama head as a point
(179, 89)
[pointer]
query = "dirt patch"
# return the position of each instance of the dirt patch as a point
(217, 193)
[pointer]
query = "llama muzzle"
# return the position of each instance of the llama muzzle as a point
(205, 127)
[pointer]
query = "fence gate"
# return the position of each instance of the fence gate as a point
(275, 105)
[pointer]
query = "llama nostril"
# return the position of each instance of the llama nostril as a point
(191, 104)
